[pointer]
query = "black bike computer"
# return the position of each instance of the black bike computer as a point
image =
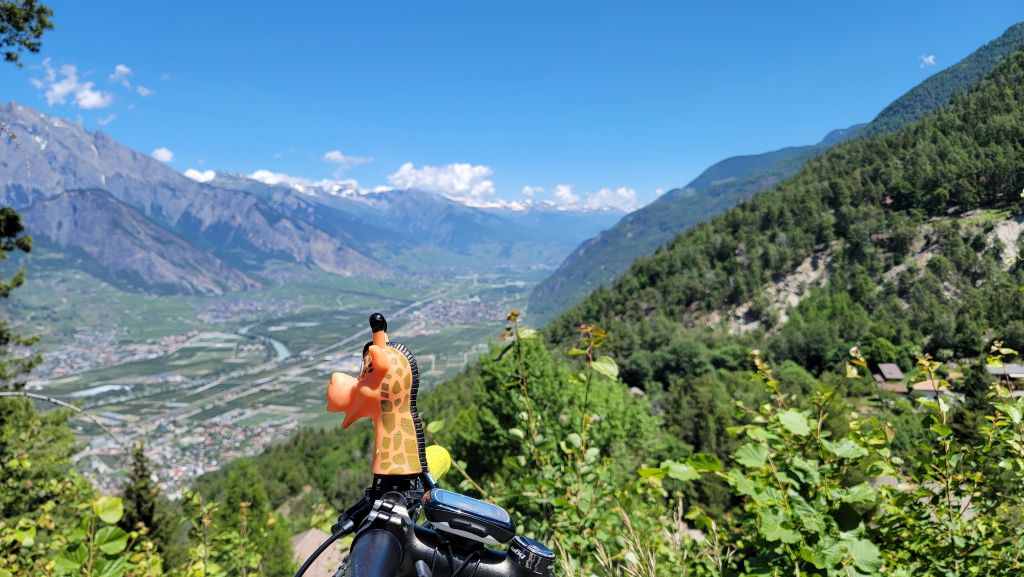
(466, 517)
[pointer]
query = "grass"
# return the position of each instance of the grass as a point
(985, 216)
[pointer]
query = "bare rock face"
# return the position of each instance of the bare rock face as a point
(114, 242)
(51, 156)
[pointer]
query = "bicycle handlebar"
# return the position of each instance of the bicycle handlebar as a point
(378, 554)
(389, 544)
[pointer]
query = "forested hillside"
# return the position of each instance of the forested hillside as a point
(900, 224)
(602, 259)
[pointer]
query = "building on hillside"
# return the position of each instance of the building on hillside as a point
(1013, 372)
(890, 378)
(932, 388)
(305, 543)
(898, 388)
(890, 372)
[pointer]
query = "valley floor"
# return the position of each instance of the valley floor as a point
(204, 380)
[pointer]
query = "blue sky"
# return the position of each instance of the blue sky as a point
(599, 102)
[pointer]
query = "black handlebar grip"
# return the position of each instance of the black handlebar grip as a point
(375, 553)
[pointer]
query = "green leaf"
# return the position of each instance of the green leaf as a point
(1015, 414)
(704, 462)
(574, 439)
(804, 470)
(575, 352)
(25, 532)
(591, 455)
(865, 555)
(846, 449)
(108, 509)
(941, 430)
(795, 422)
(813, 555)
(606, 366)
(832, 549)
(77, 534)
(71, 561)
(808, 516)
(435, 426)
(648, 472)
(751, 455)
(773, 529)
(743, 485)
(525, 334)
(111, 540)
(680, 471)
(117, 567)
(862, 493)
(517, 432)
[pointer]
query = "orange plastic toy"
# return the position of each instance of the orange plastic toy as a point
(385, 392)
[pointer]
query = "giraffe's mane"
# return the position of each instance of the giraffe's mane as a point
(415, 370)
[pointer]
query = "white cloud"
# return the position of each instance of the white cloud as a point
(276, 178)
(528, 191)
(336, 157)
(621, 198)
(565, 197)
(200, 175)
(87, 98)
(105, 121)
(165, 77)
(143, 91)
(163, 154)
(659, 191)
(65, 83)
(928, 60)
(306, 185)
(460, 181)
(121, 75)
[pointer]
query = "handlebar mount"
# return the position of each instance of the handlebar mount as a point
(389, 543)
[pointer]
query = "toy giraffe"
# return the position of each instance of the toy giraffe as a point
(385, 392)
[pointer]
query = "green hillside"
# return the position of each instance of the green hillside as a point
(600, 260)
(937, 90)
(897, 224)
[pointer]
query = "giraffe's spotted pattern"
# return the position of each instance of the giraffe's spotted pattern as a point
(398, 431)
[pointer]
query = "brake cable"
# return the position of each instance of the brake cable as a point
(323, 547)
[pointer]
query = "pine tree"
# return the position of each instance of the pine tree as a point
(245, 492)
(22, 24)
(13, 364)
(141, 499)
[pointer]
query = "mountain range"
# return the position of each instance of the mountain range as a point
(599, 260)
(133, 221)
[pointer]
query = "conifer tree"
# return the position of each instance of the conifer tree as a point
(13, 364)
(141, 499)
(245, 492)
